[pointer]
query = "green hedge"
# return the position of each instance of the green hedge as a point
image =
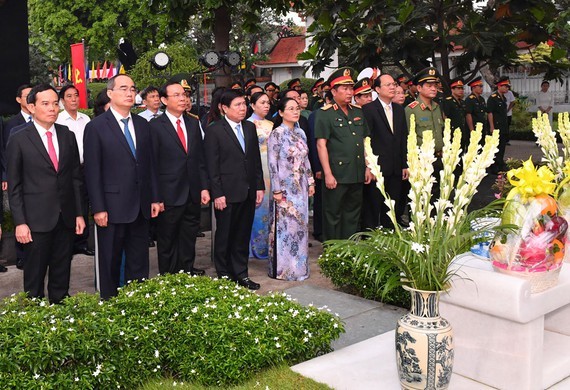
(352, 278)
(193, 329)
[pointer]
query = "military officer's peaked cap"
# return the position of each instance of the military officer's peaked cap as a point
(363, 86)
(503, 81)
(293, 83)
(342, 76)
(317, 84)
(475, 82)
(427, 75)
(456, 82)
(402, 78)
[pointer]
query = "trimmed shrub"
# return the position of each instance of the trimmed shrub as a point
(193, 329)
(352, 278)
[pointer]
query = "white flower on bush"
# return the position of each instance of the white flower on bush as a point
(156, 353)
(97, 370)
(418, 248)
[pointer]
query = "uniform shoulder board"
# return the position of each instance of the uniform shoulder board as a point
(191, 115)
(471, 96)
(448, 98)
(326, 107)
(494, 95)
(355, 105)
(413, 104)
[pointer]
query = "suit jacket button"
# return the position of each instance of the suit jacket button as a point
(340, 163)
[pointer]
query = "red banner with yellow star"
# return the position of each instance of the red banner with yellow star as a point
(78, 77)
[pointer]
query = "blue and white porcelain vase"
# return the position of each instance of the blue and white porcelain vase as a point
(424, 344)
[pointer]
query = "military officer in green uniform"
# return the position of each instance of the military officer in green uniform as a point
(428, 116)
(411, 93)
(476, 107)
(454, 109)
(498, 120)
(320, 102)
(340, 130)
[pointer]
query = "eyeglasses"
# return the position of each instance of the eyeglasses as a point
(390, 84)
(293, 109)
(125, 89)
(177, 95)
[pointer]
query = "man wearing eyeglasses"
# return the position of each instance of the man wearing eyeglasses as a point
(182, 181)
(121, 182)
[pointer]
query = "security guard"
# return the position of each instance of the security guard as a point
(498, 120)
(426, 111)
(454, 109)
(340, 130)
(476, 107)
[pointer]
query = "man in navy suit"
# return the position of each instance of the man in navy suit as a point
(122, 187)
(182, 181)
(236, 182)
(44, 181)
(388, 137)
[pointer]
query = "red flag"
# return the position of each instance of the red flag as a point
(78, 72)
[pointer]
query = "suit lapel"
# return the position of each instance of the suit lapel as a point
(169, 127)
(118, 131)
(383, 116)
(38, 144)
(62, 141)
(232, 135)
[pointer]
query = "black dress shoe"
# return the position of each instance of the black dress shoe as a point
(20, 263)
(151, 244)
(248, 283)
(197, 272)
(85, 251)
(200, 234)
(3, 269)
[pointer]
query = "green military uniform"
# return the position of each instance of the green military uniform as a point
(427, 119)
(497, 105)
(455, 110)
(410, 98)
(345, 135)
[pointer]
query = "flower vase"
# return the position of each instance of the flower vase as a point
(424, 344)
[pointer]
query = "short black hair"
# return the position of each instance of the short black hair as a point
(162, 92)
(37, 89)
(544, 82)
(147, 90)
(64, 89)
(21, 89)
(229, 95)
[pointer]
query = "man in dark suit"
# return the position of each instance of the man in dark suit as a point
(122, 187)
(236, 181)
(388, 137)
(182, 181)
(45, 182)
(2, 162)
(13, 124)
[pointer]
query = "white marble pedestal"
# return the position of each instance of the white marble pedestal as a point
(504, 336)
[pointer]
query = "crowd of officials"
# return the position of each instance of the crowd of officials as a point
(258, 155)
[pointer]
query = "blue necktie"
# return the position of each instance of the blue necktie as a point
(129, 137)
(240, 137)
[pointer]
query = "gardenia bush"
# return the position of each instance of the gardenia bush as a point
(195, 329)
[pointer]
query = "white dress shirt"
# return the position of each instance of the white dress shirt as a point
(118, 117)
(77, 127)
(43, 135)
(149, 115)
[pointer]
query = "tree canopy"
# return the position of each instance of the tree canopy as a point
(478, 35)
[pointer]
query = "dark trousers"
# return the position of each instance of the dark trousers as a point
(233, 231)
(371, 206)
(132, 238)
(177, 227)
(49, 253)
(318, 210)
(341, 210)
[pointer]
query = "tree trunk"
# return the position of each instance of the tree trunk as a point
(222, 27)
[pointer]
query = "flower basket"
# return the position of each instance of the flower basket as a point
(534, 248)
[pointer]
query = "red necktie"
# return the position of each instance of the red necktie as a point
(181, 135)
(51, 150)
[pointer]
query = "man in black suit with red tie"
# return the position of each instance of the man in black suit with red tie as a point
(44, 187)
(121, 182)
(388, 137)
(236, 183)
(182, 181)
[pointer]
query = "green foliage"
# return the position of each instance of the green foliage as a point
(522, 118)
(407, 32)
(190, 328)
(350, 276)
(183, 59)
(59, 23)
